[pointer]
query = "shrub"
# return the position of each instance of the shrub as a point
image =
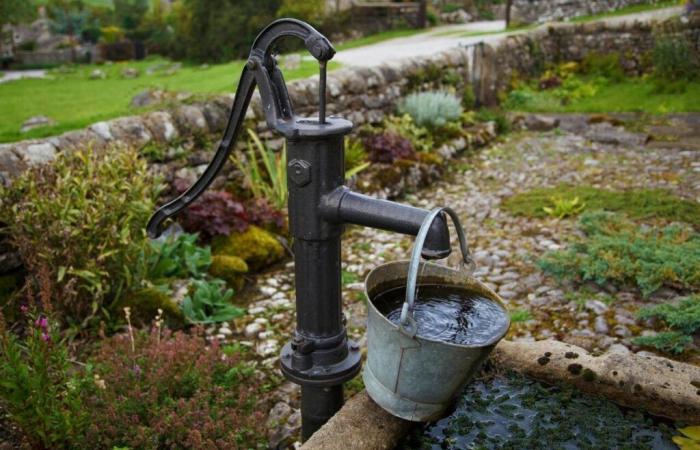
(606, 65)
(432, 109)
(79, 226)
(673, 60)
(619, 251)
(681, 321)
(177, 257)
(261, 213)
(490, 115)
(388, 147)
(172, 391)
(421, 138)
(355, 157)
(637, 204)
(213, 213)
(40, 391)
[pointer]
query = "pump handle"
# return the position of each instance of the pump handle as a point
(261, 70)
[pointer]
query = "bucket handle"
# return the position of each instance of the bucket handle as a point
(407, 323)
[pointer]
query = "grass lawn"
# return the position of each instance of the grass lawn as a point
(632, 9)
(631, 95)
(75, 101)
(379, 37)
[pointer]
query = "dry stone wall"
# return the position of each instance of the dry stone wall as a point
(541, 11)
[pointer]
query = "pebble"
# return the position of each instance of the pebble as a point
(261, 320)
(252, 330)
(256, 310)
(600, 325)
(622, 331)
(267, 290)
(619, 348)
(596, 306)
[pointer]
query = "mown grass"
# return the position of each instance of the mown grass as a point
(637, 204)
(632, 9)
(376, 38)
(629, 95)
(75, 101)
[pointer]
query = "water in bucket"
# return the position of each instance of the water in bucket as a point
(447, 314)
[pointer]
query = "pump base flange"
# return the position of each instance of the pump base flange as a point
(322, 375)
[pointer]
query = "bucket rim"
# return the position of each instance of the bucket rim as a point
(492, 296)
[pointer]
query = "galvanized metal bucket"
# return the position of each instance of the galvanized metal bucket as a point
(409, 376)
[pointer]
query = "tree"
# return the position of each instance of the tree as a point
(129, 13)
(15, 12)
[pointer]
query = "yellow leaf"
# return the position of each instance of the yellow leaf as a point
(686, 444)
(693, 432)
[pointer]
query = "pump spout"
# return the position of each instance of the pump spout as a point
(343, 205)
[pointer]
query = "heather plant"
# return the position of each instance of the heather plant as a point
(619, 251)
(680, 321)
(264, 170)
(172, 390)
(39, 388)
(214, 213)
(431, 109)
(78, 224)
(210, 302)
(388, 147)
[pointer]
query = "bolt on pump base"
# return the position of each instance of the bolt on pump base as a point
(319, 356)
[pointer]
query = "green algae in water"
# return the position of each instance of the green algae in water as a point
(513, 412)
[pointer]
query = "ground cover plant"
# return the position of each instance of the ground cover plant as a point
(680, 321)
(619, 251)
(636, 203)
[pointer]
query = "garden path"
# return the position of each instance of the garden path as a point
(447, 37)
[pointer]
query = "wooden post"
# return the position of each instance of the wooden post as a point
(422, 13)
(509, 5)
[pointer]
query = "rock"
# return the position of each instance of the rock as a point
(40, 153)
(291, 62)
(622, 331)
(36, 122)
(231, 269)
(145, 98)
(251, 330)
(130, 72)
(458, 16)
(538, 122)
(596, 306)
(601, 325)
(257, 247)
(619, 348)
(98, 74)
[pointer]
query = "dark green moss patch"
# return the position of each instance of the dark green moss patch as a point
(513, 412)
(637, 204)
(589, 375)
(575, 369)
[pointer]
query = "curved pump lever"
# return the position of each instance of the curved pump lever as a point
(261, 69)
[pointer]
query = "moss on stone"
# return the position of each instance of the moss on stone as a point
(637, 204)
(430, 158)
(144, 304)
(257, 247)
(231, 269)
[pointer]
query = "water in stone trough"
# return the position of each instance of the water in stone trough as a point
(508, 411)
(448, 314)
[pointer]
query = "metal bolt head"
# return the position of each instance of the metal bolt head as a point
(299, 172)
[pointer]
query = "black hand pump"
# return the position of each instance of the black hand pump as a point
(319, 357)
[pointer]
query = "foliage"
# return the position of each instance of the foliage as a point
(178, 257)
(355, 157)
(79, 226)
(468, 97)
(111, 34)
(605, 65)
(388, 147)
(261, 213)
(681, 321)
(520, 315)
(690, 440)
(148, 302)
(431, 109)
(619, 251)
(210, 302)
(165, 390)
(311, 11)
(214, 213)
(673, 60)
(231, 269)
(14, 12)
(129, 13)
(420, 137)
(38, 389)
(265, 171)
(562, 207)
(491, 115)
(637, 204)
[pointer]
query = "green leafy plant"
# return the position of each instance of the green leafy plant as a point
(421, 138)
(673, 60)
(265, 171)
(620, 251)
(431, 109)
(690, 438)
(606, 65)
(355, 157)
(210, 302)
(79, 226)
(562, 207)
(178, 257)
(681, 320)
(491, 115)
(520, 315)
(39, 388)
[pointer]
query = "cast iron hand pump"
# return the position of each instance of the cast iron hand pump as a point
(319, 357)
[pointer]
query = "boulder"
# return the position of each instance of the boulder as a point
(98, 74)
(36, 122)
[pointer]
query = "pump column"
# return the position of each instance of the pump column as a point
(319, 358)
